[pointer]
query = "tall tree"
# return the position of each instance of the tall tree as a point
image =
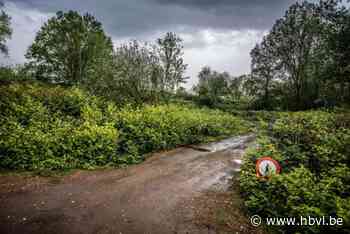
(212, 86)
(68, 47)
(338, 48)
(137, 70)
(290, 46)
(171, 55)
(5, 30)
(236, 92)
(264, 70)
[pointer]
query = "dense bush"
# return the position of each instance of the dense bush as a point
(313, 150)
(52, 127)
(161, 127)
(14, 73)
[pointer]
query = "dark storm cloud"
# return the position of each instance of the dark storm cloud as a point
(205, 4)
(129, 18)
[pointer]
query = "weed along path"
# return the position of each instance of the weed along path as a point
(162, 195)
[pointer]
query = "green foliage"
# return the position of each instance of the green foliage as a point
(136, 77)
(48, 127)
(162, 127)
(170, 50)
(303, 62)
(44, 127)
(70, 49)
(220, 90)
(312, 148)
(141, 73)
(14, 74)
(5, 30)
(317, 136)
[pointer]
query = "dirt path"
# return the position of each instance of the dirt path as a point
(153, 197)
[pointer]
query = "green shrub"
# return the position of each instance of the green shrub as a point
(47, 127)
(315, 179)
(61, 146)
(53, 128)
(153, 128)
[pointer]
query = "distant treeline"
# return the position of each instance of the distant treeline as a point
(302, 63)
(73, 49)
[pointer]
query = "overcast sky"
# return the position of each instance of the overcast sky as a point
(218, 33)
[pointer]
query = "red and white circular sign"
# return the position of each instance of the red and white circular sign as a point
(266, 167)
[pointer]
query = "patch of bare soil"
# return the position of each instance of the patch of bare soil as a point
(155, 197)
(222, 212)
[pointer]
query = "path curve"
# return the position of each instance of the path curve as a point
(144, 198)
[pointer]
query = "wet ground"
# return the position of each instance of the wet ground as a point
(157, 196)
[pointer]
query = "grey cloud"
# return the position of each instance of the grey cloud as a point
(206, 4)
(222, 41)
(128, 18)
